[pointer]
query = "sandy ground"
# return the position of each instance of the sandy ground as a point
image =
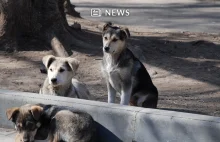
(185, 67)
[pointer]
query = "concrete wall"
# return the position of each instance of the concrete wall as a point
(124, 123)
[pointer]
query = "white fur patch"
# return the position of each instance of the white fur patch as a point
(109, 63)
(140, 101)
(38, 124)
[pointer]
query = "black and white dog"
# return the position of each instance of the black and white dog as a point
(123, 72)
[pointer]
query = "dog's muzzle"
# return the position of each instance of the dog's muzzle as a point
(25, 139)
(106, 49)
(54, 80)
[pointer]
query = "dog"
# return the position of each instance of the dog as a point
(54, 122)
(26, 120)
(60, 81)
(123, 72)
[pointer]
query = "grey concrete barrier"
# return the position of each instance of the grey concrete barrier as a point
(118, 123)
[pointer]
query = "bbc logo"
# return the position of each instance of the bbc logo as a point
(96, 12)
(113, 12)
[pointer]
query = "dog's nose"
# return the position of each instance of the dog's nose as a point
(53, 80)
(27, 141)
(106, 49)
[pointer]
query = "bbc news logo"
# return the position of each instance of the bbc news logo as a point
(96, 12)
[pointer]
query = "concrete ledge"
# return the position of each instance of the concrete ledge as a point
(124, 123)
(8, 135)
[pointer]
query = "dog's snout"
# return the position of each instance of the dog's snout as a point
(26, 139)
(53, 80)
(106, 48)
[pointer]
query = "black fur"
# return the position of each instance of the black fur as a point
(50, 62)
(142, 78)
(123, 33)
(68, 66)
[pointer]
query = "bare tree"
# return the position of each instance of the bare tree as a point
(41, 20)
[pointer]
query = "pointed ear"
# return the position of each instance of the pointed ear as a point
(11, 113)
(72, 64)
(48, 60)
(36, 111)
(125, 33)
(106, 26)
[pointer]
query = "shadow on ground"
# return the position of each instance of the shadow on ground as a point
(196, 59)
(184, 54)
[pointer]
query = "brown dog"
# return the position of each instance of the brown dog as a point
(59, 123)
(26, 120)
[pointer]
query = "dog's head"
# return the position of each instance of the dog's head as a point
(60, 70)
(114, 38)
(26, 120)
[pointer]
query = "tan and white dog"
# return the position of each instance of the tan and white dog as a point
(60, 81)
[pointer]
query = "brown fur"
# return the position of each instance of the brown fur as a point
(36, 111)
(18, 138)
(59, 123)
(25, 119)
(10, 112)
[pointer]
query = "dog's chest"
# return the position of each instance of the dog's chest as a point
(54, 92)
(112, 74)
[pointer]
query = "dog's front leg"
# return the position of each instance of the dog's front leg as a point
(126, 95)
(111, 93)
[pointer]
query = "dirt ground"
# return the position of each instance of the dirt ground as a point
(185, 67)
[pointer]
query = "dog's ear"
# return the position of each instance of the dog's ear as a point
(106, 26)
(36, 111)
(125, 33)
(11, 113)
(48, 60)
(72, 64)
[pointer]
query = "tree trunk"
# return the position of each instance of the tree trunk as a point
(37, 23)
(70, 9)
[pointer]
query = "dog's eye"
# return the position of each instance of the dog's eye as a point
(105, 38)
(51, 69)
(114, 40)
(62, 70)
